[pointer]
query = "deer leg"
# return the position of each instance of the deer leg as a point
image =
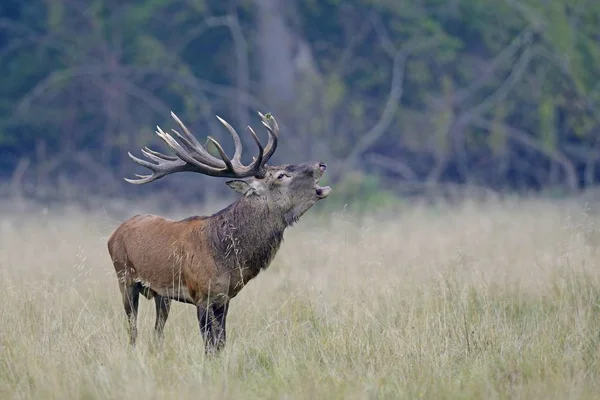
(219, 326)
(163, 305)
(205, 320)
(131, 296)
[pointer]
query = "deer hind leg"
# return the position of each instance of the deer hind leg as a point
(163, 305)
(131, 297)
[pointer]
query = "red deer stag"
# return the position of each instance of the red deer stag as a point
(206, 260)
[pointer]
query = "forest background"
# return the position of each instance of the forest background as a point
(398, 97)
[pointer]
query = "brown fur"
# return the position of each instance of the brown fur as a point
(206, 261)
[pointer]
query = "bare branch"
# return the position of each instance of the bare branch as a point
(384, 38)
(506, 54)
(193, 34)
(355, 40)
(53, 79)
(565, 69)
(499, 94)
(527, 13)
(172, 74)
(16, 183)
(528, 141)
(396, 89)
(144, 96)
(393, 164)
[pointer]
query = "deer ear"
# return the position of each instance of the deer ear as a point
(242, 187)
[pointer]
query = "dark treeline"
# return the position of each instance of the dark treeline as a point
(500, 94)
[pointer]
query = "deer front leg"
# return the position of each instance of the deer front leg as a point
(212, 321)
(205, 320)
(219, 325)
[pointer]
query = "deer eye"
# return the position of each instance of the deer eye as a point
(281, 176)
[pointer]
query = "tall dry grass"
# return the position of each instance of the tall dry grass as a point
(483, 300)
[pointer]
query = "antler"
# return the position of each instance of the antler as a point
(193, 157)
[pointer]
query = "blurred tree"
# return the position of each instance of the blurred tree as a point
(500, 94)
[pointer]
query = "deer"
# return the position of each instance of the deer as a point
(205, 261)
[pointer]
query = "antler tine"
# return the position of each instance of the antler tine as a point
(200, 154)
(159, 169)
(236, 163)
(226, 159)
(257, 162)
(237, 155)
(176, 147)
(156, 156)
(198, 151)
(273, 134)
(141, 162)
(187, 132)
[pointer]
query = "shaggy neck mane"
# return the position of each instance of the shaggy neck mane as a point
(247, 233)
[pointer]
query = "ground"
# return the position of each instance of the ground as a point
(483, 300)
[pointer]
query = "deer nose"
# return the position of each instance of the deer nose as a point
(322, 166)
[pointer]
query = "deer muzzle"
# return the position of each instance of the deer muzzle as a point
(321, 192)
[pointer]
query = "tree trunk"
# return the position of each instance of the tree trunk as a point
(276, 44)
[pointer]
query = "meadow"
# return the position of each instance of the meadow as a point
(496, 299)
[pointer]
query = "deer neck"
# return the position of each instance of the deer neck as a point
(247, 234)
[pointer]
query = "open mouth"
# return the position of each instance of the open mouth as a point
(321, 191)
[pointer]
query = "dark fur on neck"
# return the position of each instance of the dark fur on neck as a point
(246, 234)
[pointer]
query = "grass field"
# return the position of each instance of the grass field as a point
(483, 300)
